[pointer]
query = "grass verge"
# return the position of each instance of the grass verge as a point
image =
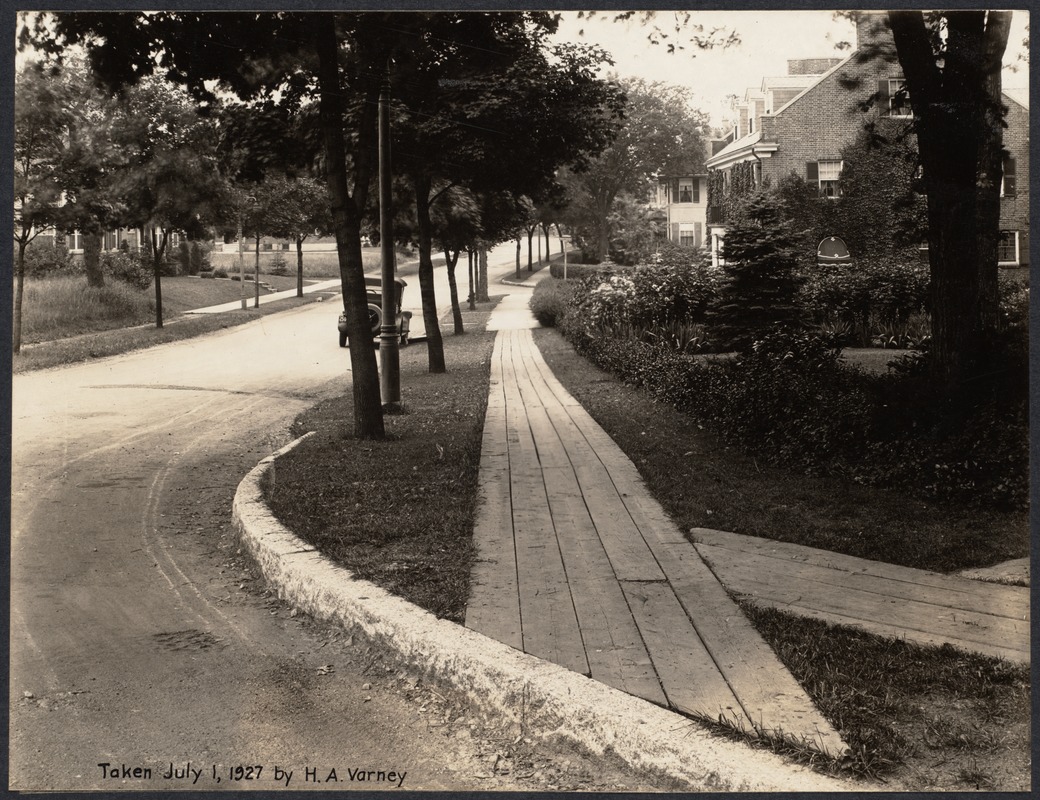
(102, 344)
(398, 512)
(922, 717)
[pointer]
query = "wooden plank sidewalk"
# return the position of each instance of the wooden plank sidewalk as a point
(886, 599)
(578, 565)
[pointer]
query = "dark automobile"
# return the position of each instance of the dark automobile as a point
(374, 295)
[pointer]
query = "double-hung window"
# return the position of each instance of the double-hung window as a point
(898, 99)
(1007, 250)
(825, 175)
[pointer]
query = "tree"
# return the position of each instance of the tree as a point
(759, 289)
(464, 84)
(299, 207)
(952, 64)
(456, 226)
(661, 135)
(328, 56)
(39, 111)
(168, 181)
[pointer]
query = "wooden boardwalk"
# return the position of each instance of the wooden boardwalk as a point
(578, 565)
(916, 605)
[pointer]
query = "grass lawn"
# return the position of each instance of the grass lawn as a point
(398, 512)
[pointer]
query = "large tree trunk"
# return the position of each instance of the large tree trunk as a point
(451, 259)
(530, 254)
(957, 141)
(92, 259)
(368, 407)
(991, 167)
(435, 344)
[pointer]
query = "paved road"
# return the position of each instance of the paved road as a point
(138, 636)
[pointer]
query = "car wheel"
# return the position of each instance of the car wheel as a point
(342, 338)
(375, 318)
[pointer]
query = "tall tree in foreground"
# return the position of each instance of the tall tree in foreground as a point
(952, 64)
(257, 55)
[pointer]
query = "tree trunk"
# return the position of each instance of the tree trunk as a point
(368, 407)
(548, 242)
(19, 292)
(530, 248)
(472, 266)
(158, 251)
(92, 259)
(456, 311)
(299, 266)
(954, 130)
(518, 246)
(482, 275)
(991, 168)
(434, 342)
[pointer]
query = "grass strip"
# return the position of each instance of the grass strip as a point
(923, 717)
(398, 512)
(102, 344)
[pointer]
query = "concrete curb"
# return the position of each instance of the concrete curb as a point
(536, 697)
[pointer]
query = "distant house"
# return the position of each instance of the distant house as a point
(801, 122)
(681, 202)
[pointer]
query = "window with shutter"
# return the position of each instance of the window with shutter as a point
(812, 172)
(696, 190)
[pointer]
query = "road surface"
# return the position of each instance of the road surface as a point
(141, 643)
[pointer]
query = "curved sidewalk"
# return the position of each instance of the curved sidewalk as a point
(578, 565)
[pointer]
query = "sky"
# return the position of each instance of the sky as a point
(768, 39)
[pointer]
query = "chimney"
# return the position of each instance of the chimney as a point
(872, 29)
(742, 122)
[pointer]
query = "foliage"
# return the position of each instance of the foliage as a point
(864, 296)
(633, 230)
(47, 257)
(646, 297)
(551, 300)
(790, 400)
(127, 268)
(759, 288)
(661, 135)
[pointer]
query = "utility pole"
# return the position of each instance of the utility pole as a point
(389, 338)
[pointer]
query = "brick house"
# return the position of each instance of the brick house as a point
(800, 123)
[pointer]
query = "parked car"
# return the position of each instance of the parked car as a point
(374, 295)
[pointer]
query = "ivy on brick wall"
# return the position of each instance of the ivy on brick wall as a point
(731, 189)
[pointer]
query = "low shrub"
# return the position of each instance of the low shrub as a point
(576, 272)
(646, 297)
(867, 297)
(550, 300)
(791, 400)
(128, 268)
(220, 272)
(44, 258)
